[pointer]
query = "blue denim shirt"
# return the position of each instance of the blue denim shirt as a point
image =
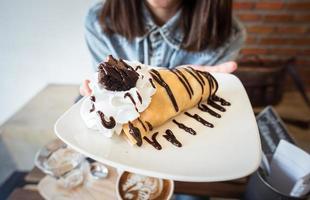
(160, 46)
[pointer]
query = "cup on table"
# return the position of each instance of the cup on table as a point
(64, 164)
(135, 186)
(67, 166)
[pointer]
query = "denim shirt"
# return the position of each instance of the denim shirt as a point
(159, 46)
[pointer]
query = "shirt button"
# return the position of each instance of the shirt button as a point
(155, 36)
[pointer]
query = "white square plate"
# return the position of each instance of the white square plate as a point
(228, 151)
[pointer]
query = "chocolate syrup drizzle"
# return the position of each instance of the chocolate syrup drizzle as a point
(149, 125)
(138, 67)
(157, 77)
(139, 97)
(186, 81)
(135, 133)
(216, 106)
(153, 142)
(171, 138)
(142, 124)
(185, 128)
(127, 94)
(184, 84)
(93, 99)
(116, 75)
(197, 79)
(107, 124)
(151, 81)
(92, 108)
(214, 97)
(205, 108)
(198, 75)
(200, 119)
(221, 100)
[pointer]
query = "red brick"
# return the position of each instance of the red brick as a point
(272, 41)
(260, 29)
(278, 18)
(283, 51)
(253, 51)
(243, 5)
(285, 41)
(273, 51)
(305, 52)
(296, 30)
(298, 6)
(304, 73)
(269, 5)
(301, 41)
(303, 62)
(249, 17)
(302, 18)
(251, 40)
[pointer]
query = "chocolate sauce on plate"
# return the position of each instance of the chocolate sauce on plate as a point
(142, 123)
(149, 125)
(153, 142)
(200, 119)
(221, 100)
(185, 128)
(107, 124)
(216, 106)
(135, 133)
(92, 108)
(93, 99)
(205, 108)
(171, 138)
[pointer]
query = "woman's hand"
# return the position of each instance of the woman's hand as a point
(85, 89)
(227, 67)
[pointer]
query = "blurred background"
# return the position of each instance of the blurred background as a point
(41, 42)
(42, 47)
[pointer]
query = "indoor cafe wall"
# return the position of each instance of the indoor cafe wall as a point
(277, 29)
(41, 42)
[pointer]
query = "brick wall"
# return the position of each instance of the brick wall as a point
(277, 29)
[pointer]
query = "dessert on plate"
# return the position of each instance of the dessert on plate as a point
(134, 99)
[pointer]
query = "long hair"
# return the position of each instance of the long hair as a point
(205, 23)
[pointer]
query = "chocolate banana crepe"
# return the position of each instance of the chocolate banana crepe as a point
(176, 91)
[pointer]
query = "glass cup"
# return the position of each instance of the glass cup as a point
(64, 164)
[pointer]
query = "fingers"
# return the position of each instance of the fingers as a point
(85, 89)
(227, 67)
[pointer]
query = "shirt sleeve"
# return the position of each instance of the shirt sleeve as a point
(235, 43)
(94, 36)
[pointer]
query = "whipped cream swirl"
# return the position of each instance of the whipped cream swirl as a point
(117, 106)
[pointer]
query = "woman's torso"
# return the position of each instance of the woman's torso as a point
(160, 46)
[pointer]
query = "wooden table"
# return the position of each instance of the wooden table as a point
(228, 189)
(291, 107)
